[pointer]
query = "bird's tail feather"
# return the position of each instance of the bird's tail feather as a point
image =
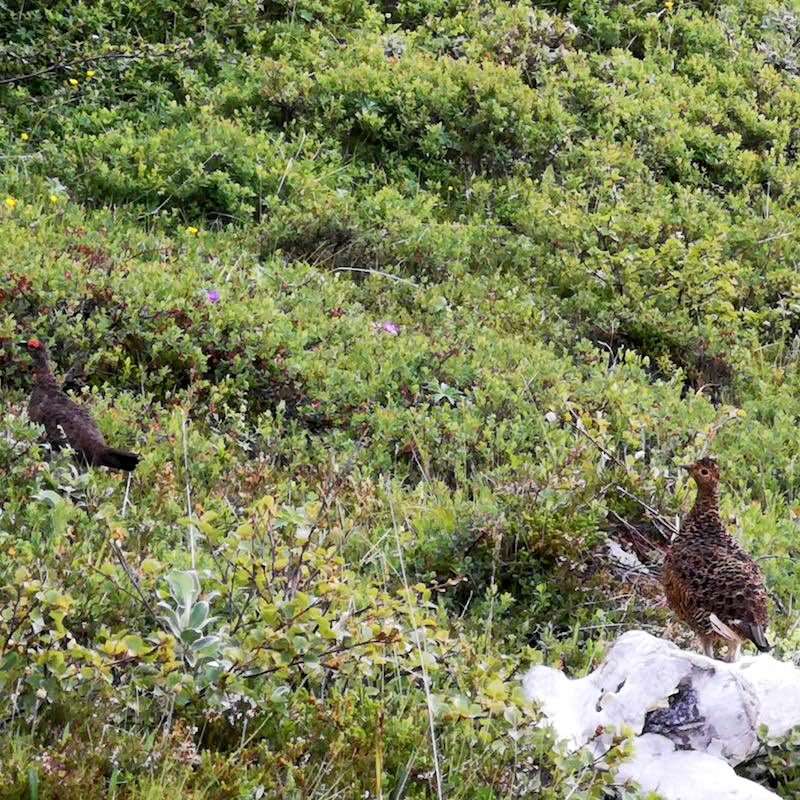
(119, 459)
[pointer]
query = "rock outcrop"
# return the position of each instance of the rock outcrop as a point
(694, 717)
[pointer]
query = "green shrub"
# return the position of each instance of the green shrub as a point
(408, 308)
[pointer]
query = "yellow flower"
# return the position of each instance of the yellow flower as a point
(192, 231)
(11, 203)
(73, 82)
(53, 198)
(24, 137)
(669, 5)
(90, 73)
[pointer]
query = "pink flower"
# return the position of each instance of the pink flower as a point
(388, 327)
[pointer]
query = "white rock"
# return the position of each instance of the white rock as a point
(777, 686)
(685, 774)
(670, 698)
(624, 558)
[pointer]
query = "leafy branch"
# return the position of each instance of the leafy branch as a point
(180, 50)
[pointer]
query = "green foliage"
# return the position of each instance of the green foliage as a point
(401, 304)
(776, 765)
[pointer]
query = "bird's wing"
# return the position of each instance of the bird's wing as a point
(726, 582)
(744, 596)
(59, 413)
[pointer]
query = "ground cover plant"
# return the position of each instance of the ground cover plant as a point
(409, 308)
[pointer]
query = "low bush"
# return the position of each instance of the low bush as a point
(409, 308)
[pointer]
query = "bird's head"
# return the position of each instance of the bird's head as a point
(36, 350)
(705, 472)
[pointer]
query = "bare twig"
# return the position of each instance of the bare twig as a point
(66, 65)
(126, 499)
(652, 511)
(583, 432)
(132, 578)
(14, 626)
(420, 647)
(289, 165)
(635, 532)
(111, 580)
(379, 273)
(189, 514)
(647, 507)
(300, 659)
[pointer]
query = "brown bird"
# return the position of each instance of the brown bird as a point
(65, 422)
(711, 583)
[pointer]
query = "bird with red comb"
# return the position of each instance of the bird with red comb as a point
(64, 421)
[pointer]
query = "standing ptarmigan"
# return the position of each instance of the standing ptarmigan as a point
(65, 422)
(711, 583)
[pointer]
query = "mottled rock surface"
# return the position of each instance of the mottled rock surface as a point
(694, 717)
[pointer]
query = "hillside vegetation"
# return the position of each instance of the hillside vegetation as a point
(409, 306)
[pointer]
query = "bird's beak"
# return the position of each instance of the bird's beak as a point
(685, 466)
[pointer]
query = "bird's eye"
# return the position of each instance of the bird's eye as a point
(704, 473)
